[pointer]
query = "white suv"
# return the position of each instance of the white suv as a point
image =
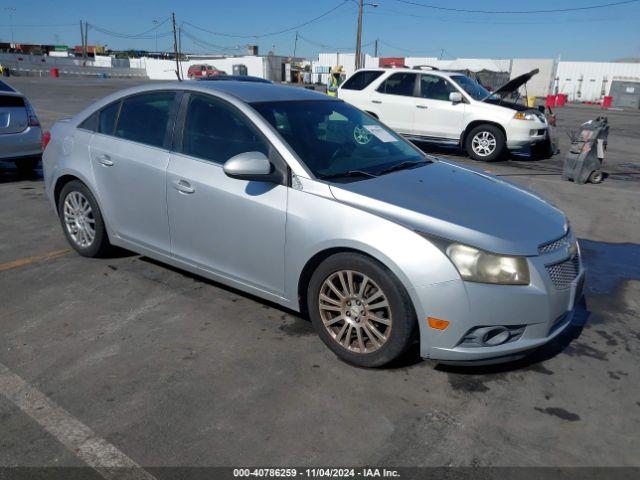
(448, 108)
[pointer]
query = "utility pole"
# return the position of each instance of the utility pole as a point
(441, 53)
(175, 47)
(82, 37)
(295, 46)
(155, 23)
(375, 50)
(11, 10)
(359, 36)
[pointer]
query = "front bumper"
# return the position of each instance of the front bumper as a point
(540, 309)
(522, 135)
(22, 144)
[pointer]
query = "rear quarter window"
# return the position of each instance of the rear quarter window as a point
(90, 123)
(5, 88)
(360, 80)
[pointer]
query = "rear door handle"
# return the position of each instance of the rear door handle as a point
(376, 101)
(424, 107)
(105, 160)
(183, 186)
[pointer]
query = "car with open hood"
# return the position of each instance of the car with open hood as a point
(306, 201)
(428, 105)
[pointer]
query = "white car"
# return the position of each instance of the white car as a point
(448, 108)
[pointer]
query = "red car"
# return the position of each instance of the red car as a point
(203, 70)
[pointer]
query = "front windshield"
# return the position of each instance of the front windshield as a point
(473, 88)
(334, 139)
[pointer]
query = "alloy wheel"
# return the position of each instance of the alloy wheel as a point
(355, 311)
(79, 219)
(484, 143)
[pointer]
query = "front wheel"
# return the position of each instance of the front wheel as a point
(360, 310)
(486, 143)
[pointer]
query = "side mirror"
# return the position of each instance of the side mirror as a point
(249, 166)
(455, 97)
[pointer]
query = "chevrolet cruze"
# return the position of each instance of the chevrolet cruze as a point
(306, 201)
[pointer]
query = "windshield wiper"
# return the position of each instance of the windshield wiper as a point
(402, 166)
(348, 173)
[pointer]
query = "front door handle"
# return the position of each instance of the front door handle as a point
(105, 160)
(376, 101)
(183, 186)
(424, 107)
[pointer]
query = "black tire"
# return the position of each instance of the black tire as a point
(492, 132)
(597, 176)
(403, 325)
(27, 165)
(100, 245)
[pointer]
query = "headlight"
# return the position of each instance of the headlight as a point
(531, 116)
(477, 266)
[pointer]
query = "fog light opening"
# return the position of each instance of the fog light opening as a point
(495, 336)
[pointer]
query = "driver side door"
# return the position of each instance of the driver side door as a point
(232, 228)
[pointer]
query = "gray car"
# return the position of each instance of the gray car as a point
(306, 201)
(20, 132)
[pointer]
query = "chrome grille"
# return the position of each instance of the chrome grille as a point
(563, 273)
(563, 242)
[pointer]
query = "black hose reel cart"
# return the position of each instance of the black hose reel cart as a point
(584, 159)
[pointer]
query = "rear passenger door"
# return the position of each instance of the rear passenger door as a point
(395, 100)
(130, 155)
(231, 227)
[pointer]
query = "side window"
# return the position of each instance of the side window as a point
(107, 118)
(399, 84)
(435, 88)
(90, 123)
(360, 80)
(215, 131)
(144, 118)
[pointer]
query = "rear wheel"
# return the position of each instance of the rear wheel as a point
(82, 221)
(486, 143)
(360, 310)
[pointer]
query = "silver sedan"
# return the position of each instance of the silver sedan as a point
(306, 201)
(20, 131)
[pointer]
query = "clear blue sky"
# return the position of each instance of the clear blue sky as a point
(403, 29)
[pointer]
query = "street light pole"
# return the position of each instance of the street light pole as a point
(155, 22)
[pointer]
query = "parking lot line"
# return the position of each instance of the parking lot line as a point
(95, 451)
(33, 259)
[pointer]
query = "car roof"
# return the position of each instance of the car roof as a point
(444, 73)
(248, 92)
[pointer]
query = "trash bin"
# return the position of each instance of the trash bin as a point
(607, 101)
(551, 101)
(561, 99)
(54, 72)
(585, 157)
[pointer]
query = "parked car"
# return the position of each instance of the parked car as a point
(203, 70)
(448, 108)
(235, 78)
(20, 132)
(308, 202)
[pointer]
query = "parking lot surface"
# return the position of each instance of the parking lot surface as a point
(170, 369)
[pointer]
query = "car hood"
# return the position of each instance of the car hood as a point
(459, 204)
(515, 83)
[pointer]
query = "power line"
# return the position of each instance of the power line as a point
(203, 43)
(41, 25)
(270, 34)
(129, 36)
(388, 11)
(516, 12)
